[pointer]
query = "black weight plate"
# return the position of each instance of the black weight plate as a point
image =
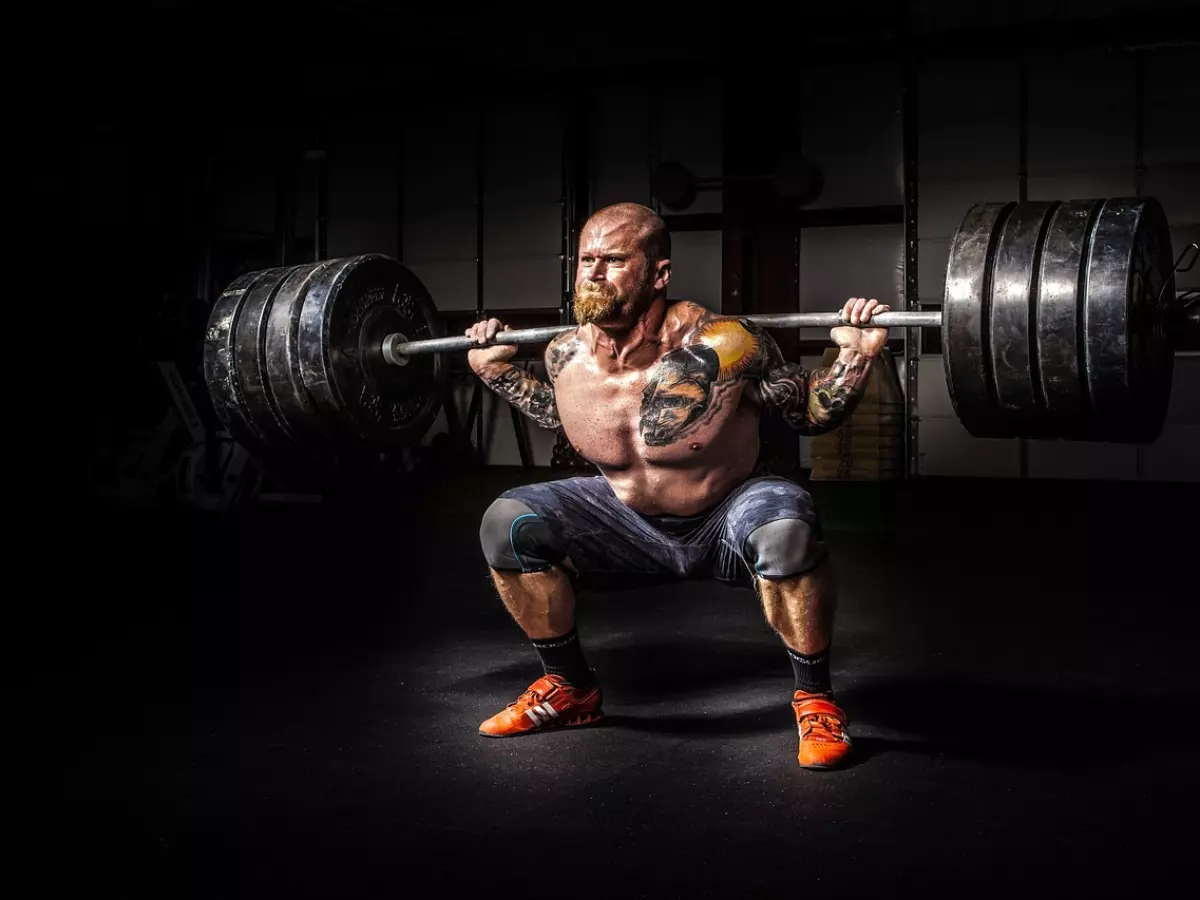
(286, 400)
(1011, 331)
(966, 320)
(1059, 312)
(1129, 362)
(220, 361)
(250, 341)
(352, 305)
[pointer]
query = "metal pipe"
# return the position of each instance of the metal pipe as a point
(395, 346)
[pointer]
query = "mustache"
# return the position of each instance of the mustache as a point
(597, 288)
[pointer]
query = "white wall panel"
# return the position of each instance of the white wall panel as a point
(941, 205)
(696, 268)
(850, 127)
(524, 282)
(452, 284)
(839, 263)
(946, 449)
(1185, 392)
(1082, 115)
(440, 235)
(689, 129)
(520, 231)
(618, 127)
(932, 256)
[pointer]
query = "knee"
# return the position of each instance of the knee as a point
(514, 537)
(785, 548)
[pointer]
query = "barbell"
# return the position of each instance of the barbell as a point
(1058, 319)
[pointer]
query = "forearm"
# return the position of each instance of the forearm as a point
(530, 395)
(834, 391)
(818, 401)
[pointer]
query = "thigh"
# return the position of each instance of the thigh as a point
(602, 537)
(758, 502)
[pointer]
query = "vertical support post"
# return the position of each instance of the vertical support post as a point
(1022, 196)
(285, 203)
(1139, 175)
(400, 197)
(321, 210)
(480, 187)
(910, 85)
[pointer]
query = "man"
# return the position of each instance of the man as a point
(665, 399)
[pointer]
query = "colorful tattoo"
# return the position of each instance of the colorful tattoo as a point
(811, 402)
(678, 394)
(689, 384)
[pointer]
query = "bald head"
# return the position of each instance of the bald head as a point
(646, 225)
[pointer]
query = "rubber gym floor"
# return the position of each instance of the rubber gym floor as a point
(285, 705)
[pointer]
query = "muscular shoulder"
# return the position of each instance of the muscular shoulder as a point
(734, 344)
(561, 350)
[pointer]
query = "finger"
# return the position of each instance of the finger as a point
(856, 315)
(848, 310)
(868, 309)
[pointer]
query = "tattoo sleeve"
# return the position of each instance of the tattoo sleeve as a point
(811, 402)
(528, 393)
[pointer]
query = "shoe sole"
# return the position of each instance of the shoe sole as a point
(579, 722)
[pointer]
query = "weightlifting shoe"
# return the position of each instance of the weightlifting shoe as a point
(547, 704)
(824, 731)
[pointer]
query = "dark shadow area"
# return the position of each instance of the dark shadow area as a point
(1033, 726)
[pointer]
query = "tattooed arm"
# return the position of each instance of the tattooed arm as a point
(811, 402)
(529, 394)
(821, 400)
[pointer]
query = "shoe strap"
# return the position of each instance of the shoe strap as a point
(818, 705)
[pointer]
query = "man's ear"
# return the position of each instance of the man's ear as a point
(662, 276)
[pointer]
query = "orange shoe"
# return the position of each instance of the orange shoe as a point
(824, 731)
(548, 703)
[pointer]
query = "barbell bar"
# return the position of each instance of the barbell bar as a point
(1057, 322)
(396, 347)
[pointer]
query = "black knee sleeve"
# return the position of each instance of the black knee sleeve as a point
(514, 537)
(784, 548)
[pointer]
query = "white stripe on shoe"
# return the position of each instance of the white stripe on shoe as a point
(541, 714)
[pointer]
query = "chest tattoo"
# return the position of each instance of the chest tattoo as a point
(679, 393)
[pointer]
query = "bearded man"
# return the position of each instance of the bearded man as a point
(665, 398)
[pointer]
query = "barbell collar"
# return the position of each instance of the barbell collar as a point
(396, 348)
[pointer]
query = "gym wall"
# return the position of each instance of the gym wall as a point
(470, 199)
(1084, 138)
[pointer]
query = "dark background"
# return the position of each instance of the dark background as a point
(281, 700)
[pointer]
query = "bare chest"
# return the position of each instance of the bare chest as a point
(672, 413)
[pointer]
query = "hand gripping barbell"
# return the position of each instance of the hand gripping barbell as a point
(1059, 320)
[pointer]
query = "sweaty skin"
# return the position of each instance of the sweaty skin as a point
(665, 398)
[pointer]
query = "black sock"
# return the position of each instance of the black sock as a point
(812, 672)
(563, 656)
